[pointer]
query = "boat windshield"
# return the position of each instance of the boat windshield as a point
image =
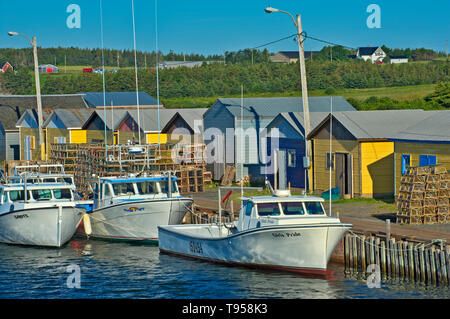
(63, 193)
(165, 189)
(314, 208)
(42, 194)
(146, 187)
(293, 208)
(16, 196)
(123, 189)
(268, 209)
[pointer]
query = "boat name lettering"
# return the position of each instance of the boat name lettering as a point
(283, 235)
(134, 209)
(21, 216)
(195, 247)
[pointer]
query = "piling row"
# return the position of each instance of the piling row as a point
(415, 262)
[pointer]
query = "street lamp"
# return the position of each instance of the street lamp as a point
(301, 56)
(38, 90)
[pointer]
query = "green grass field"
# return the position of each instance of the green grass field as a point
(397, 93)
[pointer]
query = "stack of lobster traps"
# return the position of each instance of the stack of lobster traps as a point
(424, 196)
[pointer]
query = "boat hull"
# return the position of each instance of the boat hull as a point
(46, 226)
(296, 248)
(137, 220)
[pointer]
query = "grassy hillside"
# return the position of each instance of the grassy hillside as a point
(401, 93)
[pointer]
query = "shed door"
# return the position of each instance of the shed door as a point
(344, 172)
(282, 177)
(27, 148)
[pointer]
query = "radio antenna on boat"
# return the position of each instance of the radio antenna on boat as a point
(331, 139)
(136, 73)
(242, 141)
(103, 77)
(157, 75)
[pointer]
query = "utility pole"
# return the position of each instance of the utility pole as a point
(447, 50)
(38, 99)
(306, 159)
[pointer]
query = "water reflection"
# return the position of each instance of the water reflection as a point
(120, 270)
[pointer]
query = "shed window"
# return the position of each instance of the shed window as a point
(427, 160)
(291, 158)
(406, 162)
(329, 163)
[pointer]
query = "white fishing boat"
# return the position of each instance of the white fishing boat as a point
(282, 231)
(131, 208)
(43, 214)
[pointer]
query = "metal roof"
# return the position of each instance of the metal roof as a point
(383, 124)
(367, 50)
(271, 107)
(72, 118)
(95, 99)
(434, 128)
(296, 120)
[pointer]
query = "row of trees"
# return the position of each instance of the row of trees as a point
(125, 58)
(217, 79)
(93, 57)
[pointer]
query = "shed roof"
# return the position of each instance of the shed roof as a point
(49, 101)
(96, 99)
(271, 107)
(376, 124)
(296, 120)
(433, 128)
(72, 118)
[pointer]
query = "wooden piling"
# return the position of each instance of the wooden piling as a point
(447, 260)
(428, 265)
(443, 267)
(437, 262)
(423, 264)
(393, 259)
(432, 264)
(388, 257)
(347, 251)
(411, 263)
(350, 252)
(416, 262)
(355, 253)
(363, 252)
(377, 251)
(383, 257)
(406, 259)
(400, 259)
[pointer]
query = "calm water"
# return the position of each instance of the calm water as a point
(120, 270)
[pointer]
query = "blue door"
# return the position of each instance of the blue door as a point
(427, 160)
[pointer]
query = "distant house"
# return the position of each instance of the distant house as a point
(118, 99)
(187, 64)
(374, 54)
(290, 56)
(5, 66)
(398, 59)
(48, 68)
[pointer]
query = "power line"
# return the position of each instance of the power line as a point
(306, 36)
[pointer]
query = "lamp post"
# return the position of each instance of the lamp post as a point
(38, 90)
(301, 56)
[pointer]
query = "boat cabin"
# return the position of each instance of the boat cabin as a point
(112, 190)
(12, 193)
(279, 210)
(43, 179)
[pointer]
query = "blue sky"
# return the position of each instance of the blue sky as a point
(212, 27)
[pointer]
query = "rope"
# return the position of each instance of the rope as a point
(415, 247)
